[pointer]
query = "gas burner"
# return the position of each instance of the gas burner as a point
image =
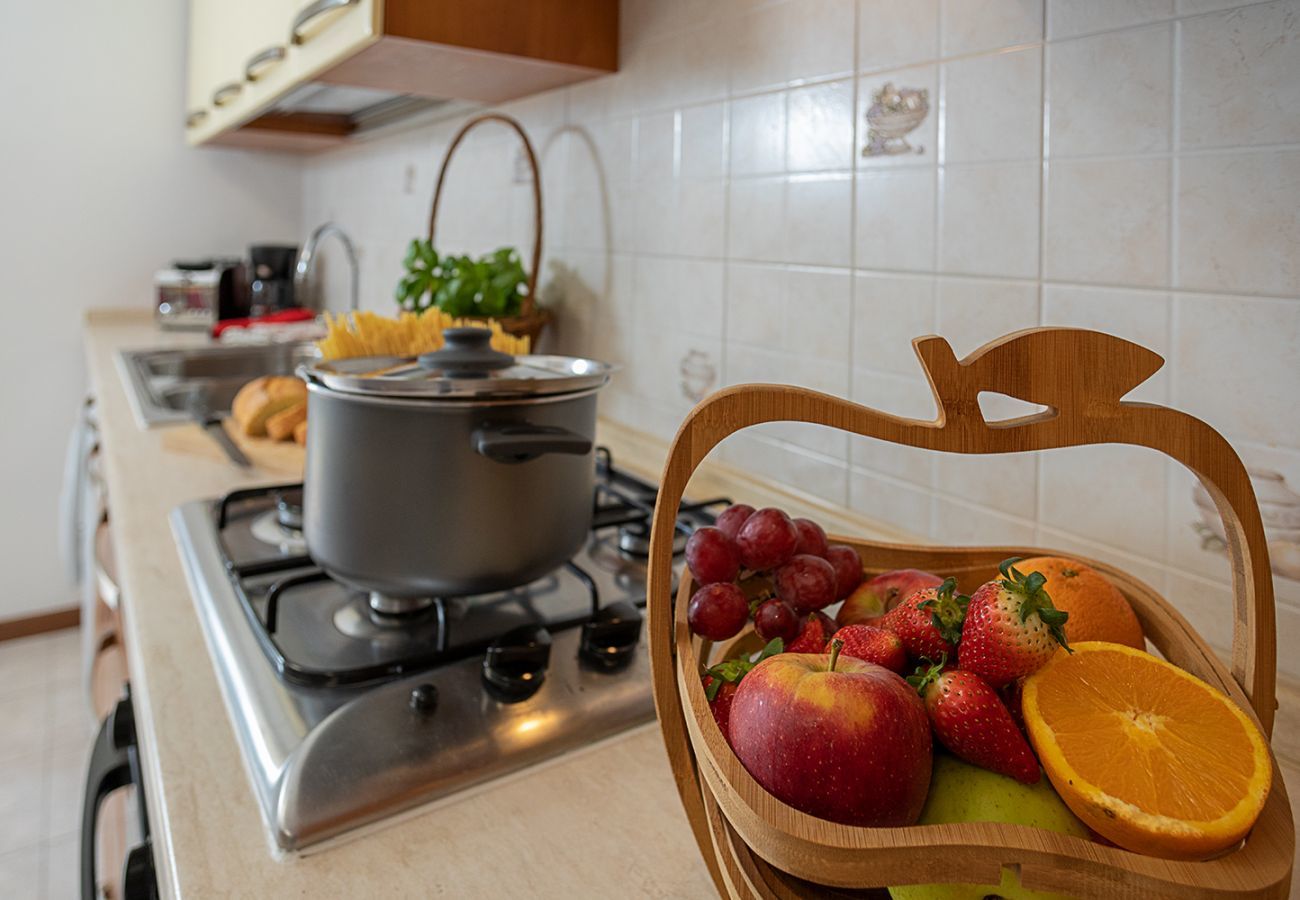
(399, 607)
(634, 540)
(288, 508)
(423, 626)
(269, 528)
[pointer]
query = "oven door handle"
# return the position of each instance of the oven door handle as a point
(110, 769)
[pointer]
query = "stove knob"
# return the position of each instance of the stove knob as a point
(424, 698)
(515, 665)
(610, 638)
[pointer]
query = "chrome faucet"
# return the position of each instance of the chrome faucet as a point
(308, 256)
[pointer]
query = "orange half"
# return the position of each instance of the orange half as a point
(1147, 755)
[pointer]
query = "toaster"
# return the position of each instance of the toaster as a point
(194, 295)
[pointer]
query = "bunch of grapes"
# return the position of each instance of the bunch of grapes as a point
(762, 563)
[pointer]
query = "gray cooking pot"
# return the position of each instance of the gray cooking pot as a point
(462, 472)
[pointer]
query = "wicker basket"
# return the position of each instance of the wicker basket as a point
(757, 846)
(532, 318)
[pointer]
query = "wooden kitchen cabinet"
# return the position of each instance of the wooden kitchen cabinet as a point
(253, 63)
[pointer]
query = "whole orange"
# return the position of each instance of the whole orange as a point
(1098, 611)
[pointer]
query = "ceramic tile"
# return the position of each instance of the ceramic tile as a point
(894, 101)
(1009, 128)
(904, 396)
(656, 146)
(686, 68)
(1235, 364)
(1066, 18)
(967, 26)
(1191, 7)
(818, 219)
(820, 127)
(64, 780)
(656, 213)
(1139, 316)
(24, 715)
(698, 218)
(1068, 544)
(702, 142)
(1005, 483)
(1107, 221)
(20, 803)
(1240, 77)
(1288, 633)
(895, 212)
(1189, 549)
(1207, 606)
(974, 311)
(896, 33)
(889, 311)
(894, 503)
(752, 364)
(989, 219)
(678, 295)
(799, 469)
(755, 304)
(21, 873)
(1110, 93)
(1110, 494)
(756, 219)
(777, 45)
(62, 868)
(964, 524)
(818, 305)
(1239, 222)
(758, 134)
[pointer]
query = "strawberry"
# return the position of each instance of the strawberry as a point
(817, 630)
(1012, 629)
(722, 681)
(875, 645)
(1013, 697)
(928, 622)
(970, 720)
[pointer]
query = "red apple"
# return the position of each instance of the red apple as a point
(872, 599)
(841, 739)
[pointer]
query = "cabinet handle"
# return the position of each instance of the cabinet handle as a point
(227, 92)
(312, 11)
(256, 65)
(195, 117)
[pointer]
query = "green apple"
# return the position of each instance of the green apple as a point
(960, 792)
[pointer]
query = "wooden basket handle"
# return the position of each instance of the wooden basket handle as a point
(530, 300)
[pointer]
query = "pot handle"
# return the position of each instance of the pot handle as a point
(518, 442)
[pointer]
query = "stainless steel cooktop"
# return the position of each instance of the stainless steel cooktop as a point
(350, 708)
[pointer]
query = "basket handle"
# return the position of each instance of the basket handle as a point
(530, 300)
(1080, 376)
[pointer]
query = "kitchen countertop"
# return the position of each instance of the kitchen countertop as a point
(605, 818)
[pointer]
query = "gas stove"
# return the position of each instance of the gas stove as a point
(352, 707)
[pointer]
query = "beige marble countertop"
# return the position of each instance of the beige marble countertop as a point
(606, 819)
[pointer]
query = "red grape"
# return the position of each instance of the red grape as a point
(712, 556)
(767, 539)
(775, 619)
(806, 582)
(812, 539)
(731, 518)
(848, 568)
(717, 611)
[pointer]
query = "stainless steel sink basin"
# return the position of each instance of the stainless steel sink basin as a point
(168, 385)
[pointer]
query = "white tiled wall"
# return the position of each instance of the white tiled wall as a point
(1128, 165)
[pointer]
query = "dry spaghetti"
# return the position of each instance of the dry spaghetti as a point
(410, 334)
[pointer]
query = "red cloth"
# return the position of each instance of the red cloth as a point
(296, 314)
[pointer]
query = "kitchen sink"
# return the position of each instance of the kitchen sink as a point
(170, 386)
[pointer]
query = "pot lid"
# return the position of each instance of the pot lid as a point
(466, 367)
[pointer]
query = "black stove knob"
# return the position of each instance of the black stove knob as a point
(424, 698)
(515, 665)
(610, 638)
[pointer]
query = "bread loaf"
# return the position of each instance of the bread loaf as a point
(300, 433)
(262, 398)
(280, 426)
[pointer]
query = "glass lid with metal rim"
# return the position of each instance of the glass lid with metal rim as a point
(465, 367)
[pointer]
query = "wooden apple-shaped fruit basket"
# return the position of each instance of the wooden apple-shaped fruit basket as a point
(757, 846)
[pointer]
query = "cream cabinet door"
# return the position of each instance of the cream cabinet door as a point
(267, 48)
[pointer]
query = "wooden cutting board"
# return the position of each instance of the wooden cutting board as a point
(281, 458)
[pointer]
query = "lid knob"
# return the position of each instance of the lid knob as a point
(467, 353)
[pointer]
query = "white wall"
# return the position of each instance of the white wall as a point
(1128, 167)
(97, 191)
